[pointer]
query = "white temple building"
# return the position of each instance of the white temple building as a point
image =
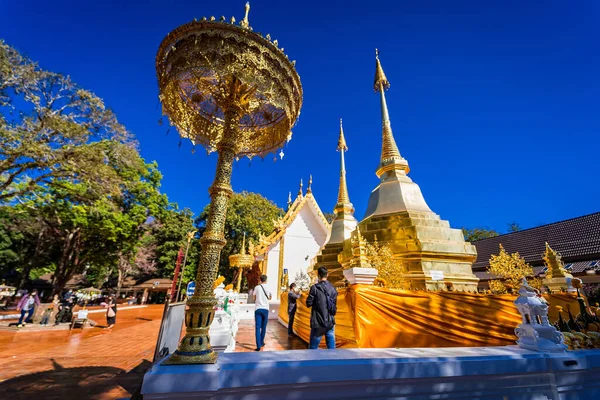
(295, 241)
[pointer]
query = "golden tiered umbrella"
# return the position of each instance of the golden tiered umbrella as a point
(241, 261)
(235, 92)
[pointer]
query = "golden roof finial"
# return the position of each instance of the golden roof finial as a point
(309, 188)
(245, 23)
(390, 155)
(381, 82)
(300, 194)
(342, 140)
(289, 203)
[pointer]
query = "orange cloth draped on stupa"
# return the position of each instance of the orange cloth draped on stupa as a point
(375, 317)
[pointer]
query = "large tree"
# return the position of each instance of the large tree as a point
(248, 213)
(96, 229)
(50, 128)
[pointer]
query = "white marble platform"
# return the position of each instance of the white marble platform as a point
(428, 373)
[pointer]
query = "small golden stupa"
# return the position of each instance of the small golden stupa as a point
(557, 277)
(398, 216)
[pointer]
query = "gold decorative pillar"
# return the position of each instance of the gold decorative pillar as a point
(230, 90)
(280, 265)
(195, 346)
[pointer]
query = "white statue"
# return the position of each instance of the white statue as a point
(233, 309)
(535, 332)
(223, 329)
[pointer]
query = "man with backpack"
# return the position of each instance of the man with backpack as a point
(322, 298)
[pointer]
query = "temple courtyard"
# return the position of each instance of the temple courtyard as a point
(96, 363)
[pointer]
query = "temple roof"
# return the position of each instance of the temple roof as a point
(577, 240)
(284, 222)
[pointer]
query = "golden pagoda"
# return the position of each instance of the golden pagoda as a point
(398, 216)
(343, 223)
(557, 277)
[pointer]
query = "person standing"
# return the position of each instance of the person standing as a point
(111, 312)
(293, 296)
(27, 306)
(322, 298)
(46, 316)
(261, 311)
(65, 312)
(55, 306)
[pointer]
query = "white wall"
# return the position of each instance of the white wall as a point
(303, 239)
(273, 270)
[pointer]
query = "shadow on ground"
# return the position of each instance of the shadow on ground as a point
(75, 383)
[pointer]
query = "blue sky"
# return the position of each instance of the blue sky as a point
(495, 104)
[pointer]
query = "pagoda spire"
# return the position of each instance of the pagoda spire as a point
(390, 155)
(343, 198)
(344, 222)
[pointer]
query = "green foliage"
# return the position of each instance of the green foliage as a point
(248, 212)
(51, 129)
(169, 233)
(475, 234)
(76, 193)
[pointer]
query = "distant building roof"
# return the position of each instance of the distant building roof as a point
(577, 240)
(157, 283)
(77, 281)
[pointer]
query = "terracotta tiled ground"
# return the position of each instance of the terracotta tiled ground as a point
(99, 364)
(276, 338)
(92, 364)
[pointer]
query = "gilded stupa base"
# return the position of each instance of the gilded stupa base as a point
(423, 243)
(329, 259)
(559, 284)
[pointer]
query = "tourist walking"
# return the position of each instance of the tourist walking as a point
(322, 298)
(261, 311)
(27, 305)
(292, 298)
(111, 312)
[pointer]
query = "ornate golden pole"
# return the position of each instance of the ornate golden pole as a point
(195, 346)
(228, 89)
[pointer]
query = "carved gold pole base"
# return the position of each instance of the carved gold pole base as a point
(195, 347)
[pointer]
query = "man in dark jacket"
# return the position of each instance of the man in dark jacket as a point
(292, 298)
(323, 300)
